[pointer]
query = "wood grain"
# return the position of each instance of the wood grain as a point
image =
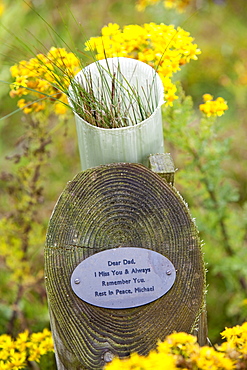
(106, 207)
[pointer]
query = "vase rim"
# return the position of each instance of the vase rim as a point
(130, 61)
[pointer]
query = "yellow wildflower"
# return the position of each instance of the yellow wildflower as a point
(161, 46)
(209, 358)
(137, 362)
(43, 79)
(17, 360)
(38, 337)
(25, 106)
(160, 361)
(236, 339)
(212, 107)
(21, 341)
(207, 97)
(130, 363)
(181, 338)
(1, 7)
(179, 350)
(6, 342)
(4, 366)
(179, 5)
(111, 29)
(14, 353)
(142, 4)
(35, 353)
(60, 108)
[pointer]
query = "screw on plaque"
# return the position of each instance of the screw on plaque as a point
(77, 281)
(168, 272)
(108, 356)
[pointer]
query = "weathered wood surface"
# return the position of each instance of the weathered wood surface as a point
(163, 165)
(106, 207)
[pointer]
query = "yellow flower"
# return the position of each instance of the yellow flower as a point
(160, 361)
(25, 106)
(209, 358)
(21, 341)
(1, 8)
(14, 353)
(4, 365)
(180, 338)
(6, 342)
(17, 360)
(35, 353)
(59, 107)
(207, 97)
(142, 4)
(213, 107)
(179, 5)
(181, 351)
(138, 362)
(161, 46)
(38, 337)
(111, 29)
(43, 79)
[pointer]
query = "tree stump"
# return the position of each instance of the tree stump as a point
(107, 207)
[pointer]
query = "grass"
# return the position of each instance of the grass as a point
(114, 94)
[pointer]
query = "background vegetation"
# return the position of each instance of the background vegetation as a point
(38, 158)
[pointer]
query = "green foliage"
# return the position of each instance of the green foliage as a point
(22, 232)
(201, 150)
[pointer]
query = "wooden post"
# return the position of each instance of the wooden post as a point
(163, 165)
(104, 208)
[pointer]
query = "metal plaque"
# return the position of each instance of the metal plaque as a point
(124, 277)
